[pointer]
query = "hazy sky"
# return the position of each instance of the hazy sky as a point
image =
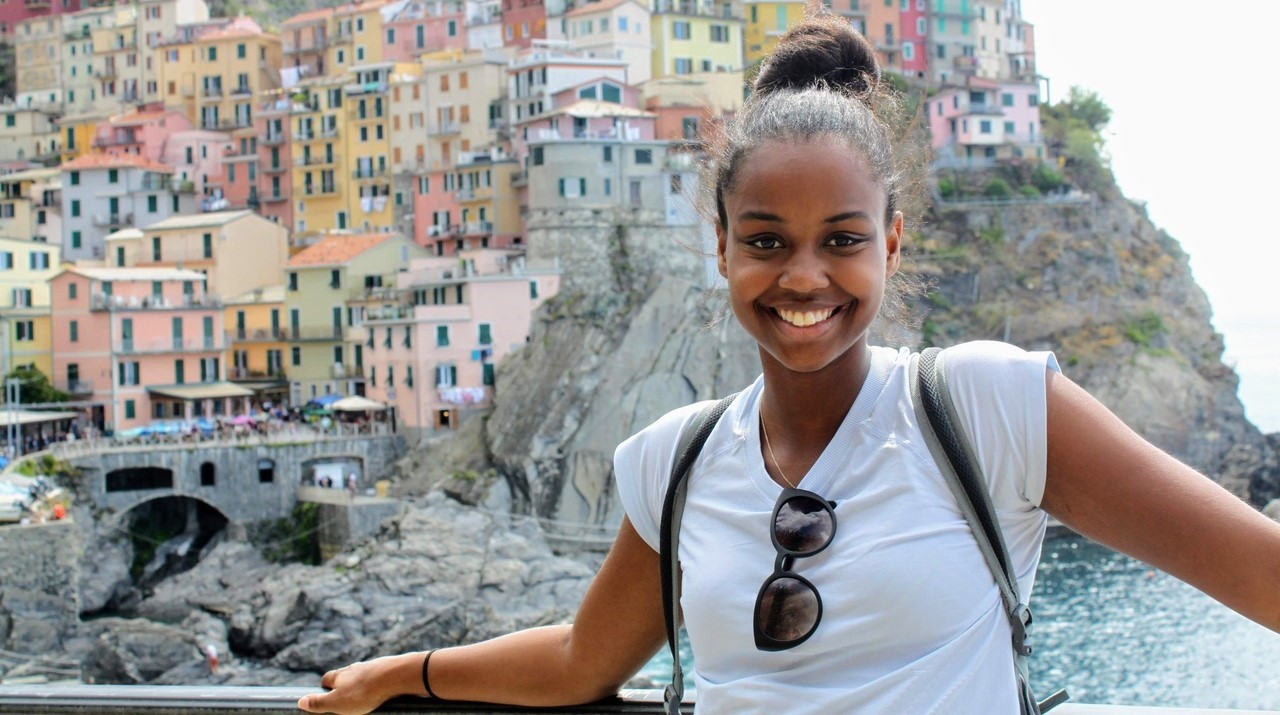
(1189, 136)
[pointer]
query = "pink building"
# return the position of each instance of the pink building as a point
(435, 207)
(275, 173)
(437, 337)
(140, 341)
(421, 26)
(915, 41)
(196, 157)
(985, 120)
(14, 13)
(140, 133)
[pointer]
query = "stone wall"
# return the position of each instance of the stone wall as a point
(39, 595)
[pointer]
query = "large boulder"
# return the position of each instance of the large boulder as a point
(135, 651)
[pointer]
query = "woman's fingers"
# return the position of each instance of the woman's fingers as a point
(326, 680)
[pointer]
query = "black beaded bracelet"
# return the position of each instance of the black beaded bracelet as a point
(426, 682)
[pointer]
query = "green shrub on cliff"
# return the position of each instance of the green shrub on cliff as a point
(1072, 130)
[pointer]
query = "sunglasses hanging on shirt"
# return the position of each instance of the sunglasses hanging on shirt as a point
(788, 607)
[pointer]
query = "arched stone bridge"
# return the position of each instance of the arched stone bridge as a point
(245, 480)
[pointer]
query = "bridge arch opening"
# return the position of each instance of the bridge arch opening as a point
(170, 534)
(138, 478)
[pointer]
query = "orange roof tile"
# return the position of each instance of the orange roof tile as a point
(358, 7)
(338, 248)
(115, 161)
(308, 16)
(241, 26)
(595, 7)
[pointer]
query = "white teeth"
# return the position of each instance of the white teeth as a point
(803, 319)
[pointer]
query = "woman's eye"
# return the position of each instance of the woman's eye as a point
(845, 240)
(765, 242)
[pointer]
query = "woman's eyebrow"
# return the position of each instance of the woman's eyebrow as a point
(848, 215)
(760, 216)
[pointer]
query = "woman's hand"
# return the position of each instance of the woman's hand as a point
(361, 687)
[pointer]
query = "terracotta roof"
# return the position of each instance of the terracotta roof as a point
(241, 26)
(595, 7)
(115, 161)
(357, 7)
(139, 117)
(337, 249)
(310, 16)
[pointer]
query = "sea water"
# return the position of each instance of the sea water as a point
(1110, 629)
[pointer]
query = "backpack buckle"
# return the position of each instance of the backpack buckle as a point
(1021, 624)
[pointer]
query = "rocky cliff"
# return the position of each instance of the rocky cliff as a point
(633, 335)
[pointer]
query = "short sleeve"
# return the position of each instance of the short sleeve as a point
(642, 468)
(999, 391)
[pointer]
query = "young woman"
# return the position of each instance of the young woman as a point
(810, 229)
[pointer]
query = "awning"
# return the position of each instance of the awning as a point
(201, 391)
(263, 385)
(355, 403)
(30, 417)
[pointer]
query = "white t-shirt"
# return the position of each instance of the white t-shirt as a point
(912, 620)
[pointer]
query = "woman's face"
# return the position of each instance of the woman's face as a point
(806, 252)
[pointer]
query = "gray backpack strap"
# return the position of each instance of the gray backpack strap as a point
(944, 434)
(687, 449)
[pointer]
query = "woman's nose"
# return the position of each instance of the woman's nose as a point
(804, 272)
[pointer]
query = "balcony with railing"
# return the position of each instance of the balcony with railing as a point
(78, 33)
(321, 190)
(76, 387)
(212, 91)
(329, 132)
(370, 172)
(309, 160)
(443, 129)
(156, 182)
(237, 372)
(119, 137)
(315, 333)
(123, 303)
(359, 88)
(112, 220)
(273, 198)
(519, 179)
(259, 335)
(242, 91)
(388, 312)
(203, 343)
(272, 139)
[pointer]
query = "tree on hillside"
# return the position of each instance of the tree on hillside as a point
(36, 388)
(1073, 132)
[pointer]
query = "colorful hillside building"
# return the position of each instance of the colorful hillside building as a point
(326, 344)
(694, 36)
(983, 121)
(436, 335)
(418, 27)
(31, 205)
(524, 22)
(102, 194)
(144, 343)
(25, 269)
(766, 22)
(614, 29)
(258, 344)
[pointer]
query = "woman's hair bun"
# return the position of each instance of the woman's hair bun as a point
(824, 49)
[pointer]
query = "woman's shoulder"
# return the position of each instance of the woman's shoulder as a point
(991, 358)
(663, 432)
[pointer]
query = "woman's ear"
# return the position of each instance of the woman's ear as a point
(893, 245)
(721, 243)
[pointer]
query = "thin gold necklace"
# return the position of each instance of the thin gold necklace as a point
(769, 447)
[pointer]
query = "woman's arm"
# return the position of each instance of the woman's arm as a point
(618, 627)
(1109, 484)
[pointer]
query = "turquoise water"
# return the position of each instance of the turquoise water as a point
(1111, 630)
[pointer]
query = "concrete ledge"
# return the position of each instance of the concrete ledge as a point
(200, 700)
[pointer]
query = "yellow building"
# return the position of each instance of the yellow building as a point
(216, 77)
(333, 40)
(117, 66)
(695, 36)
(326, 342)
(25, 270)
(342, 150)
(255, 324)
(489, 205)
(765, 23)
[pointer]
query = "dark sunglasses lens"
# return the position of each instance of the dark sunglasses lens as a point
(803, 525)
(787, 610)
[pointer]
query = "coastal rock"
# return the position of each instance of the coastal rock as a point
(104, 572)
(134, 651)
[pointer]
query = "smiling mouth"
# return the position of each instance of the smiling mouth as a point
(805, 318)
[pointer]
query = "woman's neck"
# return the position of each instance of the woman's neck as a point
(805, 409)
